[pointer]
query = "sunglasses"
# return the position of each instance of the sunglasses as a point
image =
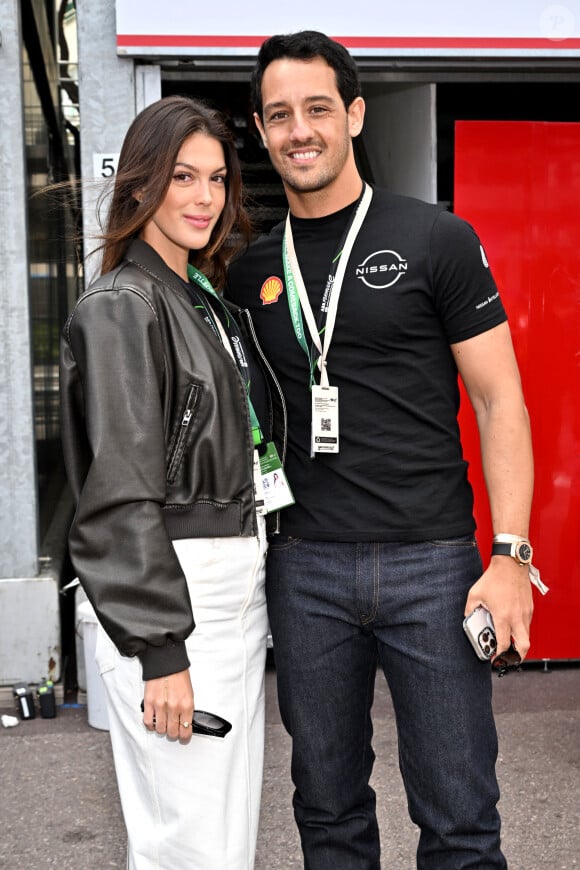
(509, 660)
(206, 723)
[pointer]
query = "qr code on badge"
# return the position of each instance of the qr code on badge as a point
(325, 424)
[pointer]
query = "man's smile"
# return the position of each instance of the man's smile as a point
(303, 155)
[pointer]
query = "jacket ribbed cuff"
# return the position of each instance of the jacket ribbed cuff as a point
(161, 661)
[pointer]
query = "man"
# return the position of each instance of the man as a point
(368, 305)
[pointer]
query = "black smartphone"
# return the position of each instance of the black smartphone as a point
(206, 723)
(209, 723)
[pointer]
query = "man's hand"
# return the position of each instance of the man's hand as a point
(505, 590)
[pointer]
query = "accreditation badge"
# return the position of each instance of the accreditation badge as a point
(275, 486)
(259, 500)
(324, 419)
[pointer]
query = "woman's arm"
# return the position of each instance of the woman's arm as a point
(112, 376)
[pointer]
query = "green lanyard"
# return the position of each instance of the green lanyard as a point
(199, 279)
(296, 314)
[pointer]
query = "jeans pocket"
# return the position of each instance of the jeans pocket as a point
(282, 542)
(106, 652)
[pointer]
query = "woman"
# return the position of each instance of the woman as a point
(164, 413)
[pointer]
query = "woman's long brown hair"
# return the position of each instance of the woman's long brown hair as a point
(146, 166)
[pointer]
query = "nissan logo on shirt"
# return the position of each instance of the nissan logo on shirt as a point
(381, 269)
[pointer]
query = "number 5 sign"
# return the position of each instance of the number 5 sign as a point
(105, 165)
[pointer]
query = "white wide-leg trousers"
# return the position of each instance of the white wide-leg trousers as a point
(195, 805)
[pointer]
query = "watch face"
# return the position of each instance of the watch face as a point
(524, 552)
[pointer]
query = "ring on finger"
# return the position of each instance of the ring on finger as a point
(185, 724)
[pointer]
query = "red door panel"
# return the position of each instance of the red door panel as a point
(519, 185)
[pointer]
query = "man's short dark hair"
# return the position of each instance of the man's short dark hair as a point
(306, 45)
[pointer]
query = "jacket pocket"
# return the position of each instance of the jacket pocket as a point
(182, 429)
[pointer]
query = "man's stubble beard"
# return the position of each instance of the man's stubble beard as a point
(327, 175)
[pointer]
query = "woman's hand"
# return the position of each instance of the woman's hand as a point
(168, 705)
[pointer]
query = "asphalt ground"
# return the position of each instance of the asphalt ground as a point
(59, 806)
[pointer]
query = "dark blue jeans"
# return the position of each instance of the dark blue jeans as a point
(336, 609)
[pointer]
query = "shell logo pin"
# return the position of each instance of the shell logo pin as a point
(271, 289)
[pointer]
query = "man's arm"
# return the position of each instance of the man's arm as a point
(489, 370)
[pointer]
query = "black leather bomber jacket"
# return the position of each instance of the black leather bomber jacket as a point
(152, 407)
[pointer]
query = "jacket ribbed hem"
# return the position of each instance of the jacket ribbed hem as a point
(207, 519)
(161, 661)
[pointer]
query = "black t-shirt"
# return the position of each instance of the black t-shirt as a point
(417, 281)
